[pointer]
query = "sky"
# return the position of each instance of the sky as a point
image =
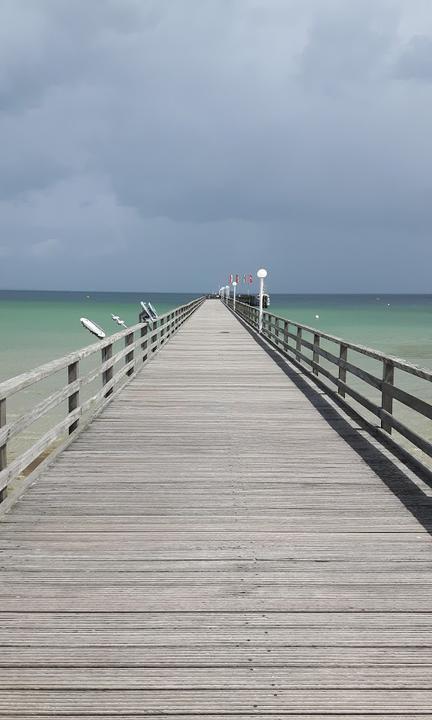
(163, 144)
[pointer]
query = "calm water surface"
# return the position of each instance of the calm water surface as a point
(39, 326)
(395, 324)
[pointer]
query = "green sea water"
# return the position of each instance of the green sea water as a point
(398, 325)
(39, 326)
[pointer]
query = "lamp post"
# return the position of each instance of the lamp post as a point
(226, 293)
(261, 274)
(234, 294)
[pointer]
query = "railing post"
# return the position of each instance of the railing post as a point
(129, 338)
(3, 448)
(386, 396)
(298, 343)
(343, 355)
(107, 374)
(73, 401)
(286, 338)
(154, 336)
(144, 344)
(315, 355)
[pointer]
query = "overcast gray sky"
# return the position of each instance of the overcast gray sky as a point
(161, 144)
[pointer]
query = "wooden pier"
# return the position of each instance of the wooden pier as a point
(221, 541)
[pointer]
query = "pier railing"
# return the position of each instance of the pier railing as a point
(375, 387)
(112, 372)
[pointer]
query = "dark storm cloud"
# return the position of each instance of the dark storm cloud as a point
(164, 144)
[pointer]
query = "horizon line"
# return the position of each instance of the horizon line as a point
(208, 292)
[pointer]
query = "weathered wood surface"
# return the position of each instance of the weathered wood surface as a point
(212, 547)
(277, 331)
(135, 353)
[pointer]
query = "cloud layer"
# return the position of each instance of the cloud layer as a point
(161, 145)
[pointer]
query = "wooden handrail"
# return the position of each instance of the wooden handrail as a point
(424, 373)
(279, 331)
(140, 343)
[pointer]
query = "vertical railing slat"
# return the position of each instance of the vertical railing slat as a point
(130, 355)
(386, 397)
(107, 374)
(299, 343)
(73, 401)
(343, 356)
(155, 337)
(3, 448)
(144, 344)
(315, 355)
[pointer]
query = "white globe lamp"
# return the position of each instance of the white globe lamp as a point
(234, 294)
(261, 274)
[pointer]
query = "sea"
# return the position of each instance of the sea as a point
(38, 326)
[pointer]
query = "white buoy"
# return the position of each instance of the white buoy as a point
(317, 317)
(92, 327)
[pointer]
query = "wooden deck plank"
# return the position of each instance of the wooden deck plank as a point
(414, 677)
(212, 546)
(230, 702)
(244, 716)
(211, 657)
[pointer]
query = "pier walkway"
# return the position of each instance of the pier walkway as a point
(219, 542)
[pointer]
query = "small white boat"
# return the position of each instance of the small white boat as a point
(93, 328)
